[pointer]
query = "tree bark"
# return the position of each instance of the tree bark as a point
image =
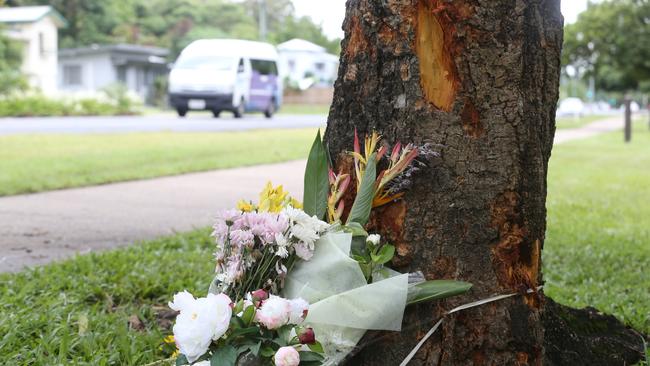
(478, 81)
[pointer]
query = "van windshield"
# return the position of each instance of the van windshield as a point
(205, 62)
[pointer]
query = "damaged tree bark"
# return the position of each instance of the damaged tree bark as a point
(479, 81)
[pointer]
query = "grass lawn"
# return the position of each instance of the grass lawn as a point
(597, 249)
(597, 252)
(577, 122)
(33, 163)
(304, 109)
(77, 311)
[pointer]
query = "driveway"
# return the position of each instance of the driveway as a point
(197, 122)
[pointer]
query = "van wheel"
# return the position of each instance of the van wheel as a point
(216, 113)
(241, 108)
(181, 112)
(270, 110)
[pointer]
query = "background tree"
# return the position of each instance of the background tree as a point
(11, 56)
(609, 42)
(477, 81)
(175, 23)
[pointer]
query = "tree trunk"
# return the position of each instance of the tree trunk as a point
(478, 80)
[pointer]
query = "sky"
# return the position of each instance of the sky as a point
(330, 13)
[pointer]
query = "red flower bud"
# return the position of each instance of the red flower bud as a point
(307, 336)
(259, 295)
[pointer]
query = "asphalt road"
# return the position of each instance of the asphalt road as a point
(192, 123)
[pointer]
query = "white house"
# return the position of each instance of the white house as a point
(36, 27)
(300, 60)
(87, 70)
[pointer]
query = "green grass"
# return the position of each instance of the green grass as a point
(577, 122)
(33, 163)
(597, 253)
(42, 311)
(304, 109)
(597, 249)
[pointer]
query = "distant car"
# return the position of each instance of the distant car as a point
(226, 74)
(571, 107)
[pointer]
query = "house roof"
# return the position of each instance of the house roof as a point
(121, 48)
(30, 14)
(298, 44)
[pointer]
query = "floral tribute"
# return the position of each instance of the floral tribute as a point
(299, 284)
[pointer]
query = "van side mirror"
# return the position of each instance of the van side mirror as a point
(240, 68)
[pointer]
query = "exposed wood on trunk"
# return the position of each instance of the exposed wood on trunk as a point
(437, 69)
(479, 80)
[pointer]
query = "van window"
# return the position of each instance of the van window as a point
(264, 67)
(205, 62)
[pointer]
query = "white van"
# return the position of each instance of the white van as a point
(226, 75)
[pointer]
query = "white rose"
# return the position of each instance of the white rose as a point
(200, 322)
(182, 300)
(299, 308)
(373, 238)
(274, 312)
(286, 356)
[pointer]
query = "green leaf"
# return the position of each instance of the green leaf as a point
(284, 332)
(362, 205)
(244, 331)
(366, 269)
(239, 306)
(316, 347)
(248, 315)
(435, 290)
(356, 229)
(316, 180)
(308, 356)
(253, 348)
(385, 254)
(224, 356)
(359, 258)
(236, 322)
(267, 351)
(181, 360)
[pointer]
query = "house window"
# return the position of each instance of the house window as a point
(41, 44)
(320, 66)
(292, 65)
(72, 75)
(121, 74)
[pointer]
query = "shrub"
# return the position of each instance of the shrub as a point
(30, 105)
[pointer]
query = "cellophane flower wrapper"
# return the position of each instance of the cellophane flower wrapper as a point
(343, 306)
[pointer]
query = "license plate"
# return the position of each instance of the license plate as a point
(196, 104)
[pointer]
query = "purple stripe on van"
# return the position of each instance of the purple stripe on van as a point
(262, 90)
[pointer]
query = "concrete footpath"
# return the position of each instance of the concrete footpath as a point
(38, 228)
(42, 227)
(592, 129)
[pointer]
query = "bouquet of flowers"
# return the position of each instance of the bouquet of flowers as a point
(291, 289)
